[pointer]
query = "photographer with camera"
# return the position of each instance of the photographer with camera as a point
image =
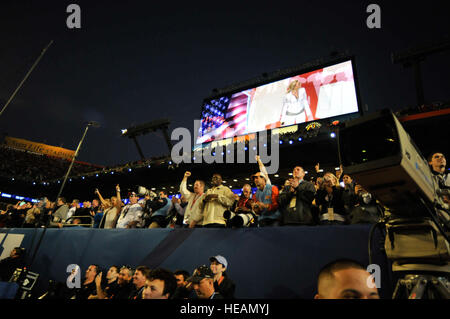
(193, 213)
(330, 200)
(366, 209)
(131, 214)
(265, 199)
(159, 207)
(296, 199)
(146, 204)
(242, 214)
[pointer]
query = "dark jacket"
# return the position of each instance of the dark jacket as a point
(365, 212)
(301, 212)
(226, 287)
(8, 266)
(218, 296)
(86, 290)
(136, 293)
(122, 292)
(182, 293)
(349, 197)
(337, 201)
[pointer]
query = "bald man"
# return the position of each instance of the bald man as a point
(345, 279)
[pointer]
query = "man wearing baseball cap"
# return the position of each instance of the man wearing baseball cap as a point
(203, 283)
(265, 198)
(222, 283)
(131, 214)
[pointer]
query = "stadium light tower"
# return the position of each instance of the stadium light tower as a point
(414, 56)
(93, 124)
(133, 132)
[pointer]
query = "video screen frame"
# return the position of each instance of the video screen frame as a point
(286, 74)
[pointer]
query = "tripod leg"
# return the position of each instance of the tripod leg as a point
(418, 289)
(442, 288)
(398, 288)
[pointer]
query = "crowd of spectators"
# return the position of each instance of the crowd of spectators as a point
(324, 201)
(339, 279)
(126, 282)
(328, 199)
(34, 167)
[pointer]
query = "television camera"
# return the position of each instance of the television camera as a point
(377, 152)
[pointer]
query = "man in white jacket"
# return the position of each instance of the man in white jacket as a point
(193, 215)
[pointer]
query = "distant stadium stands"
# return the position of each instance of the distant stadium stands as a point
(28, 166)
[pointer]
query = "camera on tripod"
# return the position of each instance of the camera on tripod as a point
(380, 155)
(147, 205)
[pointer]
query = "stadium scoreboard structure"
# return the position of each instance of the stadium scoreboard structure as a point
(297, 96)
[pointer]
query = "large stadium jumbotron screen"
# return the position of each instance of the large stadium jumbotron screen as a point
(322, 93)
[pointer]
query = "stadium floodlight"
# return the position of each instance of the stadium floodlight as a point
(153, 126)
(414, 56)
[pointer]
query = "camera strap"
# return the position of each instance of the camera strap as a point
(125, 211)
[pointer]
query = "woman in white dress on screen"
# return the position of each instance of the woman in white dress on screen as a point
(295, 105)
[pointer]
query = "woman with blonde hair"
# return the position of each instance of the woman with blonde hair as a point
(112, 209)
(331, 202)
(295, 105)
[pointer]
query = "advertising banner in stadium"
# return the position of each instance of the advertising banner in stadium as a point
(40, 148)
(322, 93)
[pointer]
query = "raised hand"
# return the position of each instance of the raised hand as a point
(98, 279)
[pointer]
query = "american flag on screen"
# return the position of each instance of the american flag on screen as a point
(225, 117)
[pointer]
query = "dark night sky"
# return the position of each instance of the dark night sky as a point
(137, 61)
